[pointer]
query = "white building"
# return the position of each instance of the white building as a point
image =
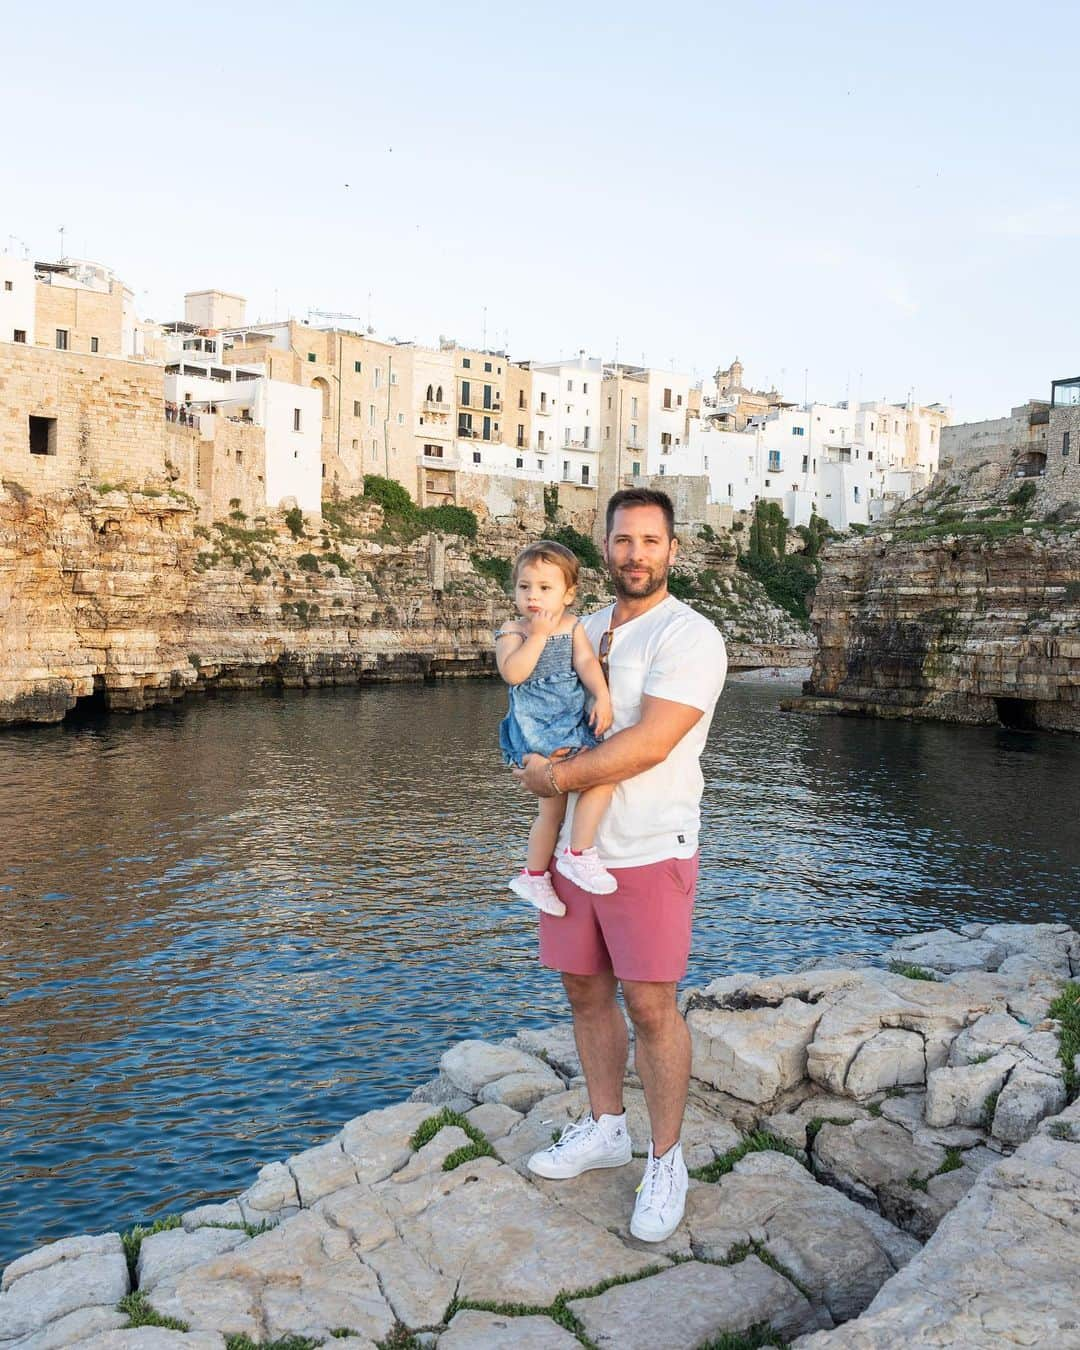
(848, 464)
(17, 303)
(201, 391)
(571, 454)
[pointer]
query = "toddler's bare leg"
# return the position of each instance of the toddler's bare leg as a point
(588, 813)
(545, 833)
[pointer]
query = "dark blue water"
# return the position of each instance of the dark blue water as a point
(227, 927)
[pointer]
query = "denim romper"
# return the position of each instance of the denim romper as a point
(548, 710)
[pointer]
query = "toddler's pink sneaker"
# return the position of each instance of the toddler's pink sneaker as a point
(538, 891)
(586, 870)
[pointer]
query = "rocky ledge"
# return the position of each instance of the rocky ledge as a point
(882, 1152)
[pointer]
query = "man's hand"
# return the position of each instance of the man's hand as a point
(534, 776)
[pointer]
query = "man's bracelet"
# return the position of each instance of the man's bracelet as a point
(558, 791)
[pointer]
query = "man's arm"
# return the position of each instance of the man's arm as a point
(647, 743)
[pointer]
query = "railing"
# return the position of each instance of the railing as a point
(432, 405)
(542, 412)
(578, 445)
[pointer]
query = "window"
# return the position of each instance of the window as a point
(466, 363)
(438, 394)
(521, 398)
(358, 367)
(609, 402)
(667, 398)
(932, 430)
(678, 400)
(355, 444)
(521, 434)
(586, 436)
(566, 436)
(357, 408)
(539, 440)
(635, 468)
(607, 433)
(9, 286)
(540, 464)
(19, 335)
(378, 376)
(585, 475)
(869, 454)
(464, 424)
(433, 451)
(61, 339)
(774, 461)
(633, 407)
(519, 463)
(543, 402)
(729, 491)
(93, 344)
(662, 467)
(401, 419)
(240, 457)
(466, 390)
(1064, 442)
(798, 431)
(569, 386)
(371, 415)
(296, 419)
(585, 387)
(768, 483)
(665, 442)
(43, 435)
(805, 463)
(633, 434)
(430, 395)
(487, 429)
(487, 367)
(855, 489)
(566, 469)
(311, 356)
(487, 396)
(476, 456)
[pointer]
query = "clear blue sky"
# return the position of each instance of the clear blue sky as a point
(847, 188)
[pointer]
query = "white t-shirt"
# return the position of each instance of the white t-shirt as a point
(674, 653)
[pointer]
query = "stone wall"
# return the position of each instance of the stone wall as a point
(125, 598)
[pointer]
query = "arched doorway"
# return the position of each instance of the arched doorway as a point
(323, 386)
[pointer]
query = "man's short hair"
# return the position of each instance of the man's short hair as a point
(641, 497)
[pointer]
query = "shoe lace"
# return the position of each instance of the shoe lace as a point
(575, 1131)
(657, 1183)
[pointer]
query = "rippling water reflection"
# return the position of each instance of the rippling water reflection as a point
(230, 926)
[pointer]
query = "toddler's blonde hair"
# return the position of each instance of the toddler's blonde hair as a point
(547, 550)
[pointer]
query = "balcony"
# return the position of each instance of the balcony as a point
(542, 412)
(578, 445)
(495, 406)
(433, 406)
(447, 460)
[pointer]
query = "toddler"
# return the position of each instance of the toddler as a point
(549, 664)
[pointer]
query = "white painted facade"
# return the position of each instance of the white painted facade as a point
(850, 465)
(668, 395)
(16, 299)
(575, 451)
(290, 415)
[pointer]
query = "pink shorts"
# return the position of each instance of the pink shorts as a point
(640, 932)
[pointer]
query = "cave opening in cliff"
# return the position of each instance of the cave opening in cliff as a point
(90, 707)
(1017, 713)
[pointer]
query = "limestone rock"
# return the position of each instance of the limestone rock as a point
(379, 1142)
(1026, 1099)
(865, 1156)
(986, 1036)
(75, 1326)
(554, 1045)
(418, 1295)
(754, 1055)
(493, 1119)
(153, 1338)
(494, 1235)
(692, 1304)
(361, 1213)
(1000, 1270)
(164, 1255)
(271, 1198)
(431, 1157)
(471, 1330)
(442, 1091)
(606, 1197)
(948, 952)
(546, 1118)
(58, 1279)
(300, 1279)
(210, 1215)
(791, 1126)
(523, 1090)
(838, 1250)
(321, 1171)
(959, 1096)
(471, 1065)
(888, 1059)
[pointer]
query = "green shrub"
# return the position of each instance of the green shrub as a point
(580, 545)
(1066, 1010)
(403, 513)
(391, 496)
(307, 562)
(496, 569)
(295, 521)
(1023, 496)
(551, 502)
(448, 519)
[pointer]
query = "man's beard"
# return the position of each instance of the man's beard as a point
(639, 588)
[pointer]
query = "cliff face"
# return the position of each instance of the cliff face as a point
(959, 627)
(123, 597)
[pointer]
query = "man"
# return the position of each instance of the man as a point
(665, 666)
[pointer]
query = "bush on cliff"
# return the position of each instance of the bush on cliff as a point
(580, 545)
(789, 578)
(403, 515)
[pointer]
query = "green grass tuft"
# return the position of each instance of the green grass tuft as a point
(140, 1314)
(753, 1338)
(400, 1338)
(989, 1107)
(132, 1240)
(911, 972)
(760, 1141)
(1065, 1009)
(954, 1160)
(478, 1146)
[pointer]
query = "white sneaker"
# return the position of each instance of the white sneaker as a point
(586, 870)
(538, 891)
(661, 1197)
(583, 1145)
